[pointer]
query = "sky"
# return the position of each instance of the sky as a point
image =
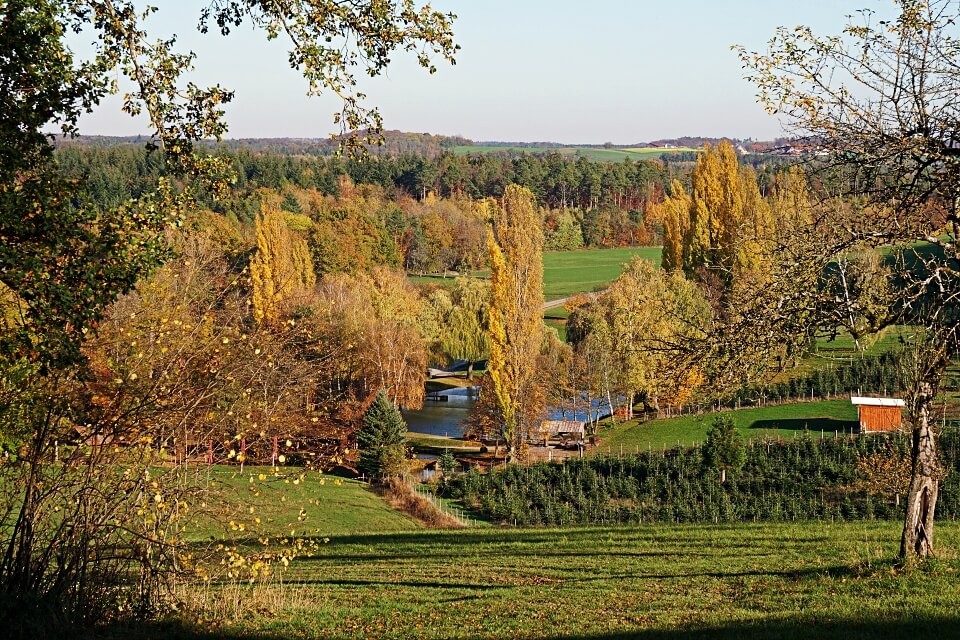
(569, 71)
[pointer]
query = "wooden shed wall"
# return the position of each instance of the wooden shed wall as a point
(880, 418)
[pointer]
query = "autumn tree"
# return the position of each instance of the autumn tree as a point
(639, 320)
(880, 103)
(791, 201)
(590, 329)
(515, 244)
(280, 266)
(725, 224)
(674, 211)
(376, 318)
(464, 333)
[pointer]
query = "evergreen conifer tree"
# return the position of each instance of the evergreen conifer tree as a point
(381, 439)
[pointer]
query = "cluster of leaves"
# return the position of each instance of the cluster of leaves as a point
(801, 479)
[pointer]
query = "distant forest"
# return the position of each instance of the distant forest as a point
(413, 206)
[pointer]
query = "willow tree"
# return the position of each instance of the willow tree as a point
(464, 334)
(515, 243)
(881, 103)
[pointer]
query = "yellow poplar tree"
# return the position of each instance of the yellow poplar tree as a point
(755, 229)
(515, 244)
(791, 200)
(729, 224)
(676, 225)
(280, 266)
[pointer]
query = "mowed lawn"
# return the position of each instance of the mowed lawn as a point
(822, 419)
(782, 581)
(569, 272)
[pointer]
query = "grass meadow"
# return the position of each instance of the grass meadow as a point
(779, 421)
(566, 273)
(293, 501)
(783, 581)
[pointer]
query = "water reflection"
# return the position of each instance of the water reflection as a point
(447, 417)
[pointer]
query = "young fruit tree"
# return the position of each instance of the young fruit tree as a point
(878, 106)
(724, 447)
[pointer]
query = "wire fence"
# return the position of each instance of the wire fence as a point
(447, 507)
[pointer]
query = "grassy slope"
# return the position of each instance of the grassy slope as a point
(784, 421)
(740, 581)
(332, 506)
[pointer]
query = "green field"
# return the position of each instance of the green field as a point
(599, 154)
(331, 505)
(783, 581)
(781, 421)
(556, 318)
(884, 341)
(568, 272)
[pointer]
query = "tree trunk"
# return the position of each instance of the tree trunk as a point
(470, 370)
(917, 539)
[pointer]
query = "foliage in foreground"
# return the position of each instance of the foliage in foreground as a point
(808, 478)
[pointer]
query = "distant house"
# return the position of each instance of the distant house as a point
(879, 414)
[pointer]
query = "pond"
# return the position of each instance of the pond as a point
(442, 418)
(447, 417)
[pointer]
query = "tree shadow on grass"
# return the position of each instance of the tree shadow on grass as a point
(792, 629)
(146, 630)
(813, 425)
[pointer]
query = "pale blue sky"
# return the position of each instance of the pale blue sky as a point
(559, 70)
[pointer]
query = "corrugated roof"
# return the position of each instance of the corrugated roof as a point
(877, 402)
(561, 426)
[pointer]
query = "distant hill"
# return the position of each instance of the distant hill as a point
(401, 143)
(396, 143)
